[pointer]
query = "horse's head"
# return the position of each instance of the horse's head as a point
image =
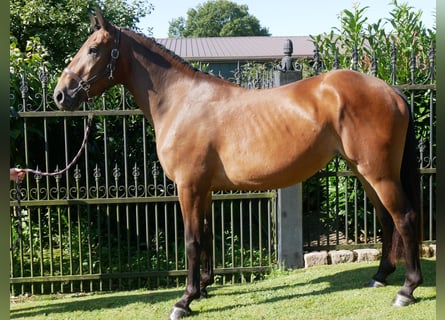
(91, 71)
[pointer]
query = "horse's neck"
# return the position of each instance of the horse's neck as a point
(148, 81)
(157, 79)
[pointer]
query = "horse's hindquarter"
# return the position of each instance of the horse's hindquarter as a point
(371, 122)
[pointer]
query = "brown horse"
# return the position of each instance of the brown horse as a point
(213, 135)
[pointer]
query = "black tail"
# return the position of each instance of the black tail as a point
(410, 178)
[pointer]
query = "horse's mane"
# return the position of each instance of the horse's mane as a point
(152, 41)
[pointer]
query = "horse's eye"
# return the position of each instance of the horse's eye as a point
(92, 51)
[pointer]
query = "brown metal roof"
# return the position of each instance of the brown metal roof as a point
(236, 48)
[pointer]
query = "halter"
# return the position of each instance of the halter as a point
(85, 85)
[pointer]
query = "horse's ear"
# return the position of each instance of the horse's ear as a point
(102, 22)
(94, 23)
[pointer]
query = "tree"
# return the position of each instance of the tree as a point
(217, 18)
(59, 27)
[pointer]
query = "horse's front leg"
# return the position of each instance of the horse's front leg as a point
(193, 208)
(207, 249)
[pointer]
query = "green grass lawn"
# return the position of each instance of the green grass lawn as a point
(327, 292)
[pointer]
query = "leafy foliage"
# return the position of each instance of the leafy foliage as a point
(373, 43)
(62, 26)
(217, 18)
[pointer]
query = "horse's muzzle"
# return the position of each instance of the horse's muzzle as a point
(65, 101)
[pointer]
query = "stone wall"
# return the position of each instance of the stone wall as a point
(318, 258)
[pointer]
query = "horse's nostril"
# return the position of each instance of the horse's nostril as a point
(59, 96)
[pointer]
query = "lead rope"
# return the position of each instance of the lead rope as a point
(79, 153)
(19, 215)
(48, 174)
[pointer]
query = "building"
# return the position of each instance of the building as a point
(224, 54)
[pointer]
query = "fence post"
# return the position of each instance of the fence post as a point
(290, 199)
(290, 227)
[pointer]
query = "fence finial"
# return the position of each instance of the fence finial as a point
(287, 61)
(355, 58)
(317, 60)
(393, 63)
(412, 66)
(374, 65)
(431, 56)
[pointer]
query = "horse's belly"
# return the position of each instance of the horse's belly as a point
(269, 171)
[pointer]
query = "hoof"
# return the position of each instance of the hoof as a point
(204, 294)
(179, 313)
(376, 284)
(402, 301)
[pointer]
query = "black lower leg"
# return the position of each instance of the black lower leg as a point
(192, 290)
(206, 259)
(387, 263)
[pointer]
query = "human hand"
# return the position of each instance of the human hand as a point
(16, 174)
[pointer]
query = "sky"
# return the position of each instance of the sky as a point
(286, 17)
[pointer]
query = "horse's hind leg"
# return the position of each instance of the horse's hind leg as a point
(405, 222)
(394, 199)
(387, 264)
